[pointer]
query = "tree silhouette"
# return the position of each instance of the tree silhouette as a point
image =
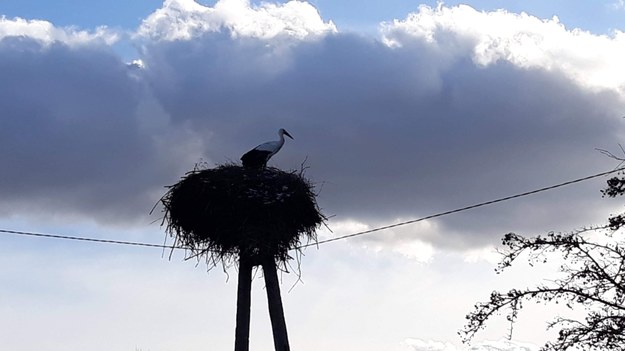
(253, 217)
(594, 278)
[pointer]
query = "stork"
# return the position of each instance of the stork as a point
(258, 156)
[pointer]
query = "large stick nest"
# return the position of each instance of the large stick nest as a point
(230, 211)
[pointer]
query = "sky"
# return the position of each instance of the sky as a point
(399, 109)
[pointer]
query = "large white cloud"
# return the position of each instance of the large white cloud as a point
(406, 130)
(186, 19)
(447, 115)
(524, 40)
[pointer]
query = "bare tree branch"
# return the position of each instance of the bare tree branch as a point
(594, 278)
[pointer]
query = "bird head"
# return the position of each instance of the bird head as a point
(284, 132)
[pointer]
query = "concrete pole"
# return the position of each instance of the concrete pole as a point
(244, 294)
(276, 312)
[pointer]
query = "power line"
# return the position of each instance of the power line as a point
(369, 231)
(461, 209)
(79, 238)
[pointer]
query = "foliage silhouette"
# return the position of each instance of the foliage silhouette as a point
(593, 278)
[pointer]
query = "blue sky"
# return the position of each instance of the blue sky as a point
(437, 108)
(84, 14)
(596, 16)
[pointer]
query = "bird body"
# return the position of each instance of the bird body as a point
(258, 156)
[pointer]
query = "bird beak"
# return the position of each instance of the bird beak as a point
(289, 135)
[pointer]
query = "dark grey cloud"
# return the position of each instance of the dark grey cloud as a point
(391, 133)
(71, 140)
(402, 132)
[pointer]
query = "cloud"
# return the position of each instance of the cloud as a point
(398, 240)
(434, 114)
(618, 4)
(428, 345)
(524, 40)
(186, 19)
(501, 345)
(46, 33)
(80, 135)
(404, 131)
